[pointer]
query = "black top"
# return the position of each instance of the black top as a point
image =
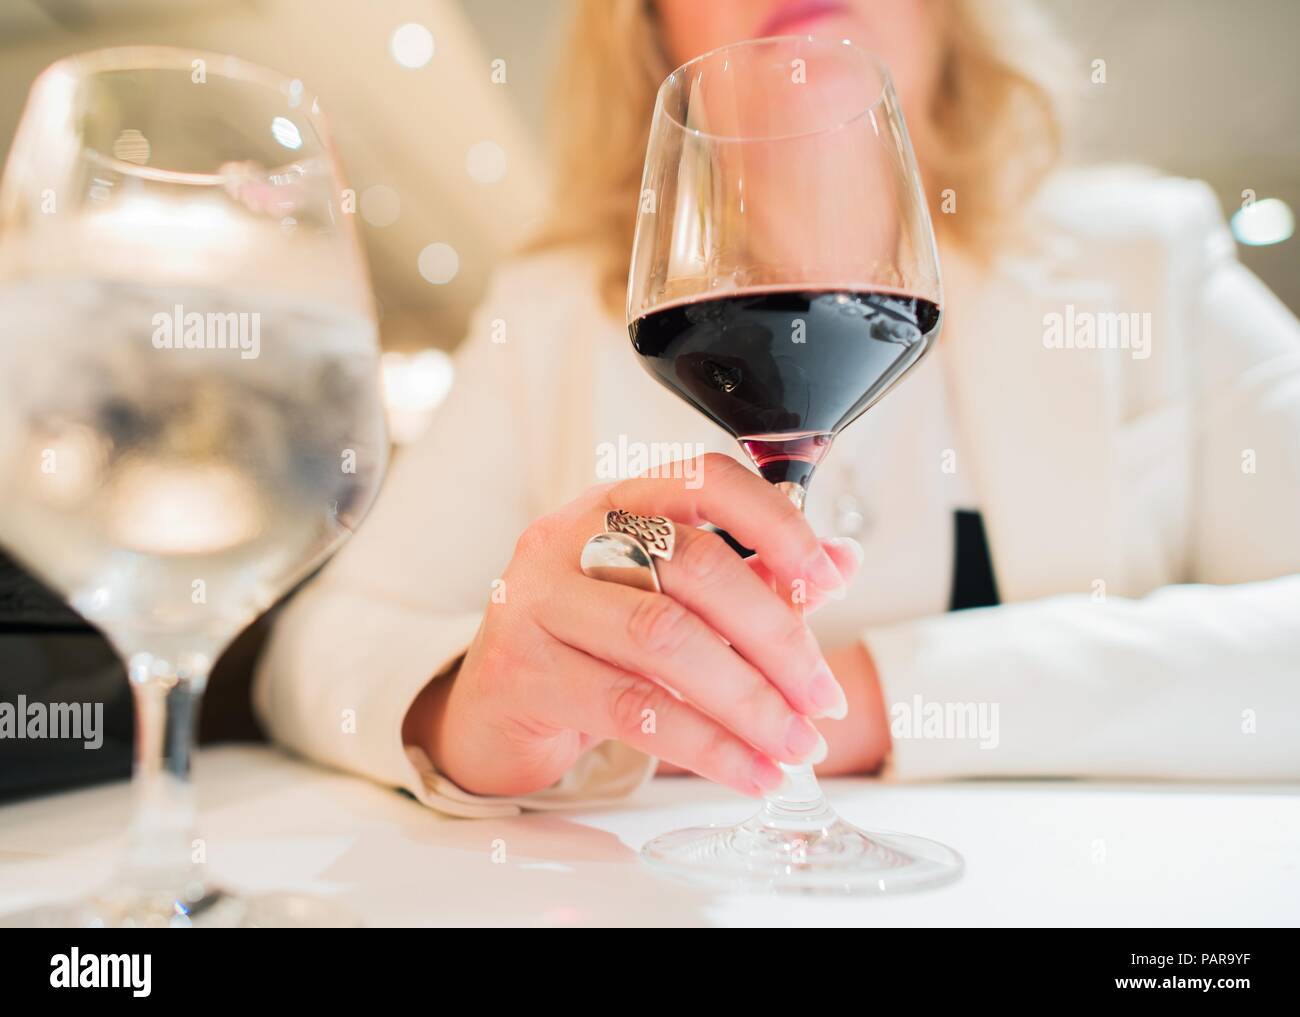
(973, 584)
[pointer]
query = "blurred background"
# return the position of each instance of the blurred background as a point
(447, 158)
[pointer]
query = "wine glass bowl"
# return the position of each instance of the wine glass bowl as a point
(783, 279)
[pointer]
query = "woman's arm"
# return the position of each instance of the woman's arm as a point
(1189, 682)
(1193, 681)
(399, 605)
(403, 598)
(465, 556)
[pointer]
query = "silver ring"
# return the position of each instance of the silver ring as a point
(625, 553)
(618, 558)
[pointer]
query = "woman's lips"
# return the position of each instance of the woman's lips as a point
(799, 12)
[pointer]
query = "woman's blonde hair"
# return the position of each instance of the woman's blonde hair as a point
(995, 118)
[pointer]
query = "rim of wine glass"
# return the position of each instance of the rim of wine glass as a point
(173, 58)
(886, 86)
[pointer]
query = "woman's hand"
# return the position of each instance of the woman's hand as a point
(564, 661)
(860, 742)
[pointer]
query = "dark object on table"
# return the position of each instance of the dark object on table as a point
(49, 655)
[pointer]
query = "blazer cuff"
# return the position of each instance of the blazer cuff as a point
(602, 775)
(341, 673)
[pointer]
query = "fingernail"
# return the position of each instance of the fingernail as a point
(850, 545)
(822, 571)
(765, 774)
(803, 741)
(827, 695)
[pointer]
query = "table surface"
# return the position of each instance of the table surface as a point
(1050, 853)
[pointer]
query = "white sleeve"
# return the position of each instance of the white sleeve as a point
(1192, 681)
(1189, 682)
(402, 600)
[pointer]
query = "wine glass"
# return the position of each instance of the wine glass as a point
(783, 278)
(190, 415)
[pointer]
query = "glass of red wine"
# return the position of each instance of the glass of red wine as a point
(784, 278)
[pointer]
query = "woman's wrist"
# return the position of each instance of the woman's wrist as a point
(425, 719)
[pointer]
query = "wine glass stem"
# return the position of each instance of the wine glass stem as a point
(799, 803)
(161, 856)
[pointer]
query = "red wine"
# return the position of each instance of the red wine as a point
(785, 370)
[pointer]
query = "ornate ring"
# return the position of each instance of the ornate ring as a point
(618, 558)
(656, 533)
(625, 553)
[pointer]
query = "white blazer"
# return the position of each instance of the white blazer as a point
(1142, 512)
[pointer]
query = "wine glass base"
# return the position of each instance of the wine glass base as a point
(835, 859)
(216, 910)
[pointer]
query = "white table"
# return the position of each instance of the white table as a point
(1037, 853)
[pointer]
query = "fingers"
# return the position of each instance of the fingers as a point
(653, 634)
(847, 555)
(712, 581)
(595, 697)
(844, 551)
(753, 511)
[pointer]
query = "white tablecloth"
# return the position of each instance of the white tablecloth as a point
(1037, 853)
